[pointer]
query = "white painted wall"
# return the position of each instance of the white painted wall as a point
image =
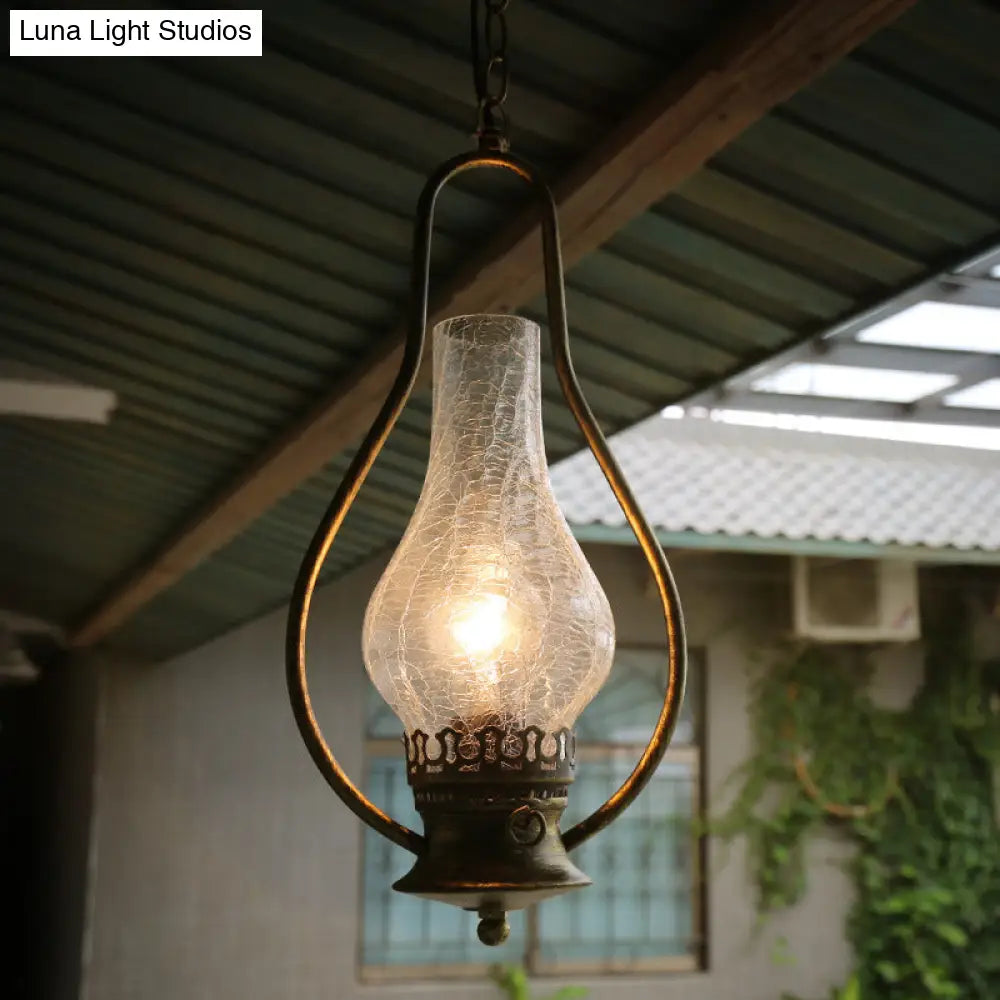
(225, 869)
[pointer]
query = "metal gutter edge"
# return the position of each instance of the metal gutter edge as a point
(605, 534)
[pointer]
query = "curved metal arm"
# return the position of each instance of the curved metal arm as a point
(372, 445)
(298, 609)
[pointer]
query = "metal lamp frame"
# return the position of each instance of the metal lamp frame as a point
(355, 476)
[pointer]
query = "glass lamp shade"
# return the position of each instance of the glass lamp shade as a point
(488, 614)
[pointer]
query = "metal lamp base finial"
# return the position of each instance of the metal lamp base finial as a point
(493, 928)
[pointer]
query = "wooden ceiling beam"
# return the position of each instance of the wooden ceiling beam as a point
(756, 62)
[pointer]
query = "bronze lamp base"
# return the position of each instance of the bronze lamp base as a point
(491, 803)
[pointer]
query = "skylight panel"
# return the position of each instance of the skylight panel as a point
(985, 438)
(985, 396)
(850, 382)
(939, 326)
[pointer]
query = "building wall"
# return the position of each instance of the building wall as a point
(224, 867)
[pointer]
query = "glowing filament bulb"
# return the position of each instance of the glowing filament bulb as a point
(481, 627)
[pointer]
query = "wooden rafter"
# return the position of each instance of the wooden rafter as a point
(756, 62)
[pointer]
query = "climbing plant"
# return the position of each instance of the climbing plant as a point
(913, 789)
(514, 984)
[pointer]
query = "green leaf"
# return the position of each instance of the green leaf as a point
(512, 980)
(570, 993)
(887, 971)
(852, 989)
(953, 934)
(781, 954)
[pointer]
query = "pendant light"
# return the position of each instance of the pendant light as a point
(488, 632)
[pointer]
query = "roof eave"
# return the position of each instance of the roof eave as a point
(606, 534)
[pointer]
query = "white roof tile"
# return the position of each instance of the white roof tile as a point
(713, 478)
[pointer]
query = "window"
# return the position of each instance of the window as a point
(939, 326)
(982, 394)
(644, 911)
(852, 382)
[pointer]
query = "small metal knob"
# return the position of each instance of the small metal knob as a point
(493, 928)
(525, 826)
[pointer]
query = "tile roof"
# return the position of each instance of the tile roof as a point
(709, 478)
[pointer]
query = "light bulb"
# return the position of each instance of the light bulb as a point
(480, 628)
(488, 613)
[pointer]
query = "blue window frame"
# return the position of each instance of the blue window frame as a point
(644, 911)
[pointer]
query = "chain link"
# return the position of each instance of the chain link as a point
(490, 71)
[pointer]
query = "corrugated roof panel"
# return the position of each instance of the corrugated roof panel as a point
(897, 120)
(219, 240)
(747, 215)
(890, 204)
(952, 57)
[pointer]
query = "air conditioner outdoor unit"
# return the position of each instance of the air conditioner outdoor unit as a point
(855, 600)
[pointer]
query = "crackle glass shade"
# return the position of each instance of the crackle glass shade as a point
(488, 613)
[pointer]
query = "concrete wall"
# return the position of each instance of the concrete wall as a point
(226, 869)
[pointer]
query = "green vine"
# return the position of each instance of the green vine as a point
(514, 984)
(913, 789)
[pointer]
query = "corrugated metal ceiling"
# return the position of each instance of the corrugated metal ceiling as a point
(217, 240)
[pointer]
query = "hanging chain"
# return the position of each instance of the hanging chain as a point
(490, 72)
